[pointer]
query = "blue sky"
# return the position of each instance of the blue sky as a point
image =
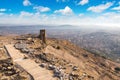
(73, 12)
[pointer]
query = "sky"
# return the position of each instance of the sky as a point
(60, 12)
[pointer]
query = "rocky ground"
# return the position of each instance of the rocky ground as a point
(8, 69)
(65, 60)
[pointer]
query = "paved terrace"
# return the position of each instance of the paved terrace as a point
(29, 65)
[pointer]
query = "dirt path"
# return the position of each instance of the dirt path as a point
(29, 65)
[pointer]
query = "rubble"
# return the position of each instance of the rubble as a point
(51, 67)
(55, 66)
(46, 57)
(8, 71)
(29, 39)
(75, 68)
(20, 46)
(26, 50)
(43, 65)
(23, 48)
(59, 73)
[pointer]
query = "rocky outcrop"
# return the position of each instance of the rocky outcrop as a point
(9, 71)
(23, 48)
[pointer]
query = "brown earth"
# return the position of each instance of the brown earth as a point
(73, 60)
(8, 69)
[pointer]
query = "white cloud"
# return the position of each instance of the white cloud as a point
(100, 8)
(116, 8)
(81, 14)
(27, 3)
(41, 8)
(2, 9)
(26, 18)
(83, 2)
(6, 15)
(1, 14)
(11, 14)
(66, 11)
(25, 14)
(62, 0)
(119, 2)
(57, 0)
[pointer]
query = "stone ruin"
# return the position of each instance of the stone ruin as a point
(43, 35)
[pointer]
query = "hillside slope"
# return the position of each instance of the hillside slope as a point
(65, 60)
(95, 66)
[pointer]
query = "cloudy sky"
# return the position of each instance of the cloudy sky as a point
(59, 12)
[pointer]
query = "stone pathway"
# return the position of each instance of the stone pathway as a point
(29, 65)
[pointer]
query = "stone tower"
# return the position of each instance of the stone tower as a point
(43, 35)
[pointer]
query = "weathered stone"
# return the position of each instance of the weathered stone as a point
(24, 50)
(9, 68)
(43, 56)
(20, 46)
(75, 68)
(56, 72)
(29, 39)
(51, 67)
(37, 61)
(31, 51)
(9, 71)
(71, 78)
(25, 57)
(66, 76)
(59, 73)
(43, 65)
(4, 78)
(74, 74)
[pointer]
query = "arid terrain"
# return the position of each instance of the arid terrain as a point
(84, 37)
(103, 42)
(8, 69)
(58, 59)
